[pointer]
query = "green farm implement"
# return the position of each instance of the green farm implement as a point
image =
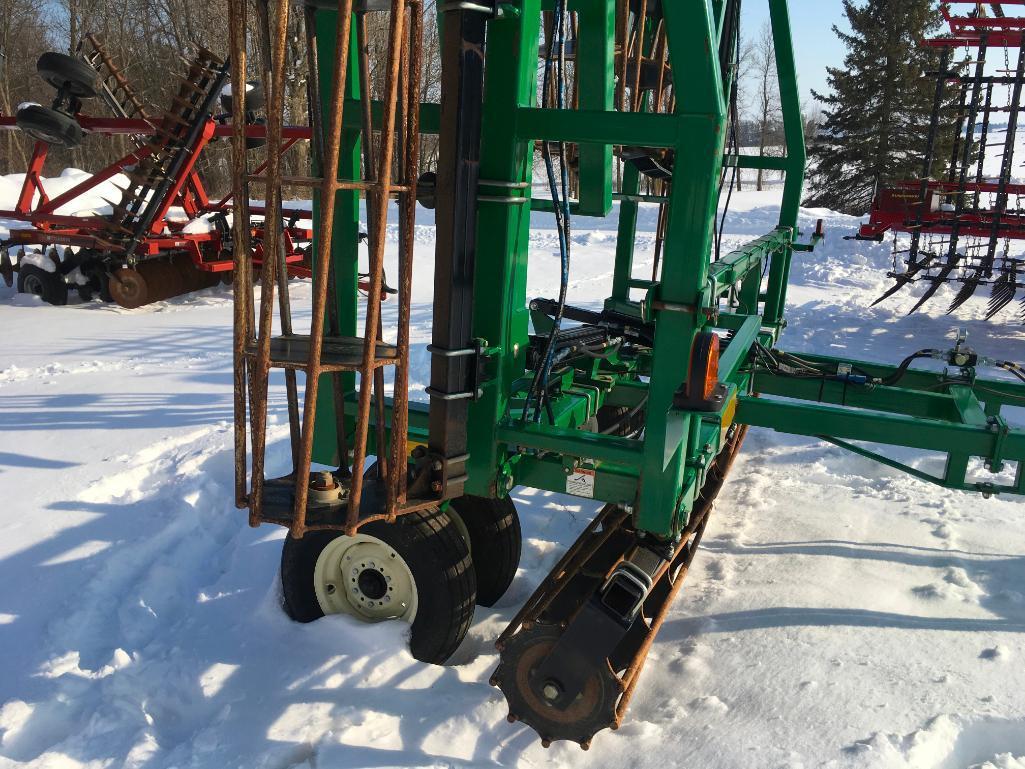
(580, 109)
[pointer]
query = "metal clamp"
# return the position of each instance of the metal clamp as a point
(475, 395)
(505, 186)
(441, 352)
(502, 199)
(502, 184)
(465, 5)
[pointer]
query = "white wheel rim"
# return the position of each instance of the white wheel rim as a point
(365, 577)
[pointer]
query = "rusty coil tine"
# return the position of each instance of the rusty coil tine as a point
(363, 58)
(641, 23)
(240, 242)
(275, 115)
(401, 152)
(377, 236)
(329, 187)
(273, 210)
(317, 145)
(659, 57)
(400, 400)
(664, 67)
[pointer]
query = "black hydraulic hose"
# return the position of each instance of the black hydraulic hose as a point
(902, 369)
(539, 383)
(1012, 368)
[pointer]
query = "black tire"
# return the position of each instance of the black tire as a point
(50, 126)
(73, 75)
(255, 98)
(430, 544)
(495, 540)
(85, 292)
(255, 142)
(49, 286)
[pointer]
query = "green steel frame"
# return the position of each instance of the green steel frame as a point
(659, 474)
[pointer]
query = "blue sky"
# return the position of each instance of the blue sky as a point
(815, 45)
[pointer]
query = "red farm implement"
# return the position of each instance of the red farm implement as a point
(164, 235)
(962, 226)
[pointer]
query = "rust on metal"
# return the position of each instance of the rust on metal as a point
(257, 350)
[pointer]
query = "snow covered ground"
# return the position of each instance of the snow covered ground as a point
(840, 614)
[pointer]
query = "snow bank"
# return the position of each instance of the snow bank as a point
(839, 615)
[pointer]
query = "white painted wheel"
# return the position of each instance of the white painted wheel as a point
(365, 577)
(416, 569)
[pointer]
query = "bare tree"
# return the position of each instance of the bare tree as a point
(766, 95)
(21, 27)
(148, 40)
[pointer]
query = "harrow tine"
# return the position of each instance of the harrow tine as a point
(1004, 289)
(901, 282)
(937, 281)
(967, 291)
(903, 279)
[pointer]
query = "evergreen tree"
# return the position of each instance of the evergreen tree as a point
(876, 117)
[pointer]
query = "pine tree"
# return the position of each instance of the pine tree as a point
(876, 116)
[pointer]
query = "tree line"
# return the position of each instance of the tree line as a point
(148, 39)
(870, 127)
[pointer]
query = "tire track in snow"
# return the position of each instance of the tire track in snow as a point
(52, 371)
(120, 624)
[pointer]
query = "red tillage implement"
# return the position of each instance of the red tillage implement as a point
(144, 250)
(962, 226)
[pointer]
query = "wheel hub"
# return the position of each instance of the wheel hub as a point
(372, 584)
(366, 578)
